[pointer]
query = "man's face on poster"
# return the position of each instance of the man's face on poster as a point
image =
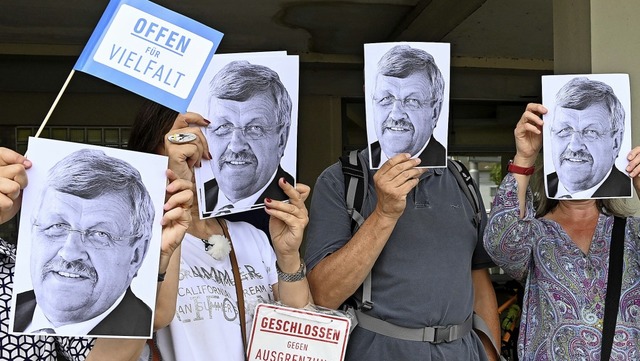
(584, 146)
(81, 257)
(246, 143)
(404, 113)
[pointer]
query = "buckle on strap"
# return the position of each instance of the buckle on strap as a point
(439, 334)
(436, 334)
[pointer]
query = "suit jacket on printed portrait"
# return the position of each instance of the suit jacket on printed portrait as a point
(132, 317)
(617, 184)
(433, 155)
(272, 191)
(258, 217)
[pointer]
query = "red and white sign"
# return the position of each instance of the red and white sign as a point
(289, 334)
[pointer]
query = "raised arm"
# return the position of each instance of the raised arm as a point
(175, 222)
(512, 228)
(338, 275)
(528, 137)
(286, 226)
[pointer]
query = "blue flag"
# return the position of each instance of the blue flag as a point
(149, 50)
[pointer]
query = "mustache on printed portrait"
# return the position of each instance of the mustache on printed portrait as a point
(399, 124)
(579, 156)
(78, 268)
(230, 157)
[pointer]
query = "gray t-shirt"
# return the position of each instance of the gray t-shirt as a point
(422, 276)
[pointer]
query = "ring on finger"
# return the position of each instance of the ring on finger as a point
(181, 138)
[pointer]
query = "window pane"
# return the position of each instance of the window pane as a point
(111, 136)
(94, 136)
(23, 134)
(59, 133)
(76, 135)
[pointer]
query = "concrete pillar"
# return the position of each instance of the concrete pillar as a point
(600, 36)
(473, 171)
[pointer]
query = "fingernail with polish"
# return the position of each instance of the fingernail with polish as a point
(206, 121)
(268, 200)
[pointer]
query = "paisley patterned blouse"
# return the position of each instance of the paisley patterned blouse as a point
(565, 289)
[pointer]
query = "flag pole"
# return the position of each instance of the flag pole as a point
(55, 102)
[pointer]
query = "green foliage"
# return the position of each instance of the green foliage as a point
(496, 173)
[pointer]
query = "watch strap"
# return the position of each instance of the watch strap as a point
(292, 277)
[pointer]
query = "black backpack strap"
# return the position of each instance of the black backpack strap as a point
(614, 285)
(354, 187)
(463, 177)
(355, 184)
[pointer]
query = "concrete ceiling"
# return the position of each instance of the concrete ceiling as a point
(508, 34)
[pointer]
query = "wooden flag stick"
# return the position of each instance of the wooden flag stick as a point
(55, 102)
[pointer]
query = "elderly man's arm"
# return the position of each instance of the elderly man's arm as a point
(486, 306)
(338, 276)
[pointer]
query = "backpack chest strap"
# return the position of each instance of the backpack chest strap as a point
(433, 334)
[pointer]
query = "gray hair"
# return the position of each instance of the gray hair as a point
(240, 80)
(89, 174)
(581, 92)
(402, 61)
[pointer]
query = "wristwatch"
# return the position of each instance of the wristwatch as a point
(512, 168)
(292, 277)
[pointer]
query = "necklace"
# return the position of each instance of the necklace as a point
(217, 246)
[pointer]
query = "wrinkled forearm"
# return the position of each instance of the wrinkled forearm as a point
(339, 275)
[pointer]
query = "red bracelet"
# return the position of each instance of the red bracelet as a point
(512, 168)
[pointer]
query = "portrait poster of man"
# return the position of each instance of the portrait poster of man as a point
(586, 136)
(407, 101)
(88, 241)
(251, 101)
